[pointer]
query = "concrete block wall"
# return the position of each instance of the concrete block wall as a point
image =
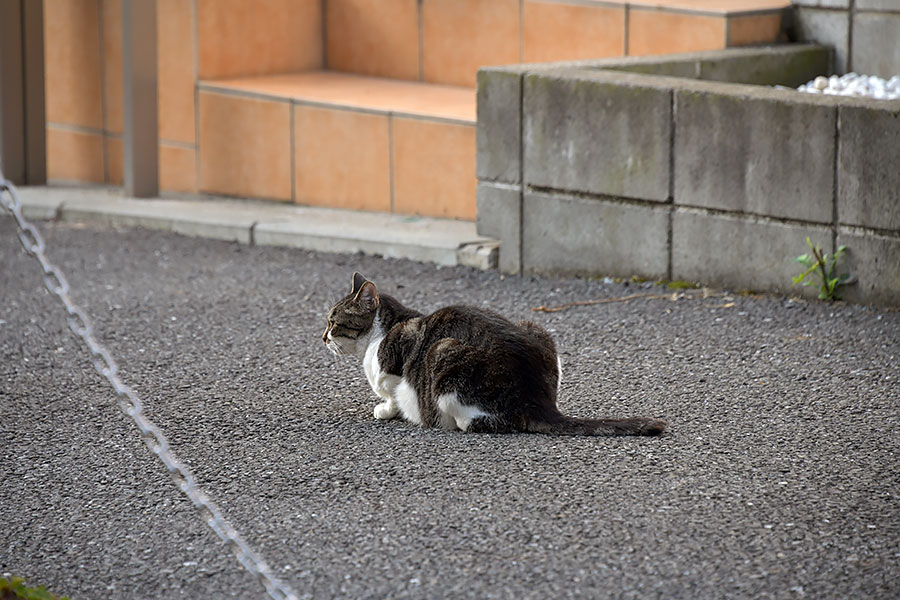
(599, 168)
(864, 33)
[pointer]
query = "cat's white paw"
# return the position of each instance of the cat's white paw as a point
(386, 410)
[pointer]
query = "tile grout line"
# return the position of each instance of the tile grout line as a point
(671, 200)
(103, 107)
(324, 32)
(521, 30)
(196, 74)
(836, 183)
(81, 129)
(390, 125)
(421, 26)
(331, 105)
(293, 157)
(661, 205)
(521, 248)
(626, 37)
(727, 32)
(851, 17)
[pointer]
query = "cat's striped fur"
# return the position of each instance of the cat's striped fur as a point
(460, 367)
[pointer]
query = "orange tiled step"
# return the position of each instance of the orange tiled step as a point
(340, 140)
(446, 41)
(670, 26)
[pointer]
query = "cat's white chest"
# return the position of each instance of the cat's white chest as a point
(394, 389)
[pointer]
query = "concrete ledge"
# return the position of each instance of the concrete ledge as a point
(392, 236)
(773, 65)
(599, 132)
(499, 217)
(228, 221)
(744, 149)
(875, 261)
(875, 48)
(499, 121)
(581, 236)
(869, 166)
(443, 241)
(39, 207)
(826, 27)
(683, 167)
(741, 252)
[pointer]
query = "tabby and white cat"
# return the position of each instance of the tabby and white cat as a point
(459, 367)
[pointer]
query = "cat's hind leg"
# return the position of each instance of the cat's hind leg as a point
(458, 390)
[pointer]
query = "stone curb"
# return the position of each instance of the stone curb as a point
(442, 241)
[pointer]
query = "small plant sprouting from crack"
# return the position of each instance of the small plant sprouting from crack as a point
(825, 269)
(14, 588)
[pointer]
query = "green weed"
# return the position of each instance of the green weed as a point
(825, 269)
(15, 588)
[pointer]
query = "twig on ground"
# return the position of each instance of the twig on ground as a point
(702, 293)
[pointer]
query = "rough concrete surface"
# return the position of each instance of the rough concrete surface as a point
(875, 47)
(597, 132)
(742, 252)
(868, 175)
(742, 150)
(826, 27)
(578, 236)
(500, 217)
(498, 131)
(778, 479)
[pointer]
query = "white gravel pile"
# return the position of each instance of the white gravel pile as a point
(854, 84)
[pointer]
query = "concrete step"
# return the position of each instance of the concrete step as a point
(339, 140)
(442, 241)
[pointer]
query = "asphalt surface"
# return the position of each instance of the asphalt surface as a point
(779, 478)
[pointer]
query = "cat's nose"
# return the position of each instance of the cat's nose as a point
(325, 336)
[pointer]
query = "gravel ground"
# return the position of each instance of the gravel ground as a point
(779, 477)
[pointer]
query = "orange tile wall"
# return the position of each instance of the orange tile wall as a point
(435, 41)
(239, 38)
(342, 158)
(557, 31)
(373, 37)
(245, 146)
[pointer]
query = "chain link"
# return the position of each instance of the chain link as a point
(129, 402)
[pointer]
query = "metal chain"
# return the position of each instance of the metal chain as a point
(130, 403)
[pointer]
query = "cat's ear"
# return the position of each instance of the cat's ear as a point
(358, 281)
(368, 296)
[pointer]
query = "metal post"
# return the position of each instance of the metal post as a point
(23, 155)
(35, 111)
(12, 93)
(139, 83)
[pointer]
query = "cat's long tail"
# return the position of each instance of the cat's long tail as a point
(562, 425)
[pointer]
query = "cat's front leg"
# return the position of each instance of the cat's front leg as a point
(386, 410)
(384, 387)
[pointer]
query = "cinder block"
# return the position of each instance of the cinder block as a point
(578, 236)
(788, 65)
(499, 124)
(741, 253)
(827, 27)
(687, 68)
(869, 165)
(891, 5)
(600, 132)
(765, 152)
(876, 43)
(875, 261)
(500, 217)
